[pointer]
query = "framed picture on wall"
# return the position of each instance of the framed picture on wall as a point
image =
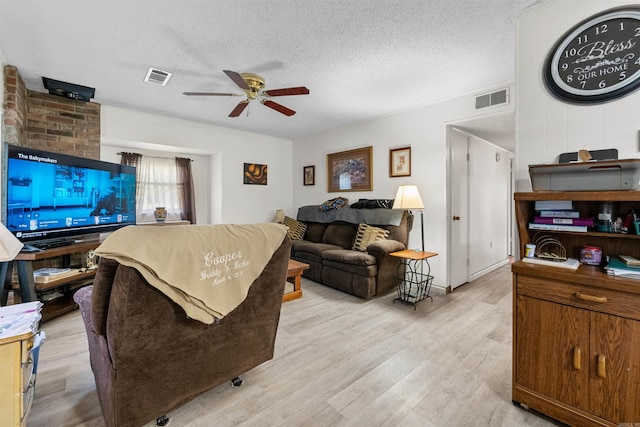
(400, 162)
(309, 174)
(350, 170)
(255, 174)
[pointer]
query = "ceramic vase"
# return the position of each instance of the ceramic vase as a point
(160, 214)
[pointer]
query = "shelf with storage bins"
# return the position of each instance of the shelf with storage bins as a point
(576, 333)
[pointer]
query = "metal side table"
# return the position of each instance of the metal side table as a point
(414, 277)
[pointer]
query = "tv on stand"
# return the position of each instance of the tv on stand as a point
(53, 199)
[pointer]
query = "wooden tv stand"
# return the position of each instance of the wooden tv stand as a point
(31, 291)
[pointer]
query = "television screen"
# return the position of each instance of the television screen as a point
(51, 195)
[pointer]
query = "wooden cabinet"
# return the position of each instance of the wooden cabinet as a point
(576, 334)
(17, 378)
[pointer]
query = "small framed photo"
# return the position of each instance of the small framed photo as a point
(400, 162)
(309, 174)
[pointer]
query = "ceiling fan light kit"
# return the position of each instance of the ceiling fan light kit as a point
(253, 87)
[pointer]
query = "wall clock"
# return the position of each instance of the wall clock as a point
(598, 59)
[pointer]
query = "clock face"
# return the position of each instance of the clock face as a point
(598, 60)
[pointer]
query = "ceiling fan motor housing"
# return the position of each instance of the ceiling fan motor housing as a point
(255, 82)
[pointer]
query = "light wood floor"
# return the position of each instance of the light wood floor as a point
(340, 361)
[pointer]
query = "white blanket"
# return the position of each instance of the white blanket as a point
(206, 269)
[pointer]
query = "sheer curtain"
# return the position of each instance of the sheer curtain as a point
(156, 186)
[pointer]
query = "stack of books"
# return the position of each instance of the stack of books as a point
(624, 266)
(20, 319)
(558, 215)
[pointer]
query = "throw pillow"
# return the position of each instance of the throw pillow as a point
(367, 234)
(296, 228)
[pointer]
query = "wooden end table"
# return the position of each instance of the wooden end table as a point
(414, 280)
(294, 275)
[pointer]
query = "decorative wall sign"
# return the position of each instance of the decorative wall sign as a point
(309, 175)
(598, 59)
(350, 170)
(255, 174)
(400, 162)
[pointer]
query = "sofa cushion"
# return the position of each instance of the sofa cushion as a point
(340, 234)
(296, 228)
(367, 234)
(302, 246)
(315, 231)
(347, 256)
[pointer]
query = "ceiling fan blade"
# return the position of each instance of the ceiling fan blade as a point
(300, 90)
(209, 94)
(239, 109)
(279, 108)
(237, 79)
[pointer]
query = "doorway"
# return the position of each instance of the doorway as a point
(479, 225)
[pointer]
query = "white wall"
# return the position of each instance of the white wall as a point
(547, 127)
(425, 130)
(230, 201)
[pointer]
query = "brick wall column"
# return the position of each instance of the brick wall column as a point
(49, 122)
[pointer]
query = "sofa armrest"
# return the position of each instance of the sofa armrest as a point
(381, 248)
(387, 265)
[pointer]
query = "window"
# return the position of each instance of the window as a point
(157, 186)
(163, 182)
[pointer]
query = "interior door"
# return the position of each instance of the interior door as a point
(459, 224)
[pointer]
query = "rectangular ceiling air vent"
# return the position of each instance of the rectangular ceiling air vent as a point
(156, 76)
(493, 98)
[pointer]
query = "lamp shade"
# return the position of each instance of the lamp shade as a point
(408, 197)
(279, 218)
(9, 245)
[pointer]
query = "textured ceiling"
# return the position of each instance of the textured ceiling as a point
(360, 59)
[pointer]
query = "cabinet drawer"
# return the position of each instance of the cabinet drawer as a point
(624, 304)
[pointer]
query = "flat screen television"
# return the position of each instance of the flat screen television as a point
(52, 199)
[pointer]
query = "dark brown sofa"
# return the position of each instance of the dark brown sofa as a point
(149, 358)
(327, 248)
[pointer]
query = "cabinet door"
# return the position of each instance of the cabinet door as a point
(552, 350)
(615, 368)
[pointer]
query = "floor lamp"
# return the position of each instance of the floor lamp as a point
(408, 197)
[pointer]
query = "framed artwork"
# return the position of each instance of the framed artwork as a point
(309, 173)
(350, 170)
(400, 162)
(255, 174)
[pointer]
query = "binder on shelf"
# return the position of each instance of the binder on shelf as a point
(560, 214)
(554, 205)
(564, 221)
(558, 227)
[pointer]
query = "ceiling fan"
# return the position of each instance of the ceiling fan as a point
(253, 87)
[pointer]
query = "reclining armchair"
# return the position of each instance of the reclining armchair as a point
(149, 358)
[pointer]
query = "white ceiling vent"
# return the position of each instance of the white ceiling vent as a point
(156, 76)
(494, 98)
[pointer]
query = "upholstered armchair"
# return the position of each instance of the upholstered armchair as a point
(149, 358)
